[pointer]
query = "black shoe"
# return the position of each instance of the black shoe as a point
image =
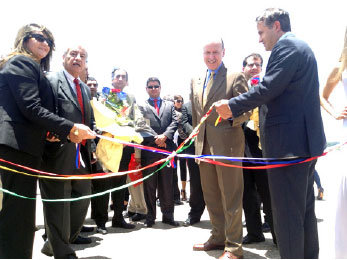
(47, 249)
(122, 224)
(71, 256)
(250, 240)
(178, 202)
(129, 214)
(149, 223)
(82, 240)
(266, 228)
(190, 221)
(170, 222)
(101, 229)
(87, 229)
(138, 217)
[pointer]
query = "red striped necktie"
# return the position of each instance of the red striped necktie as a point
(156, 105)
(80, 101)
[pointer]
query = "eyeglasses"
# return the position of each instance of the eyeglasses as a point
(151, 87)
(250, 65)
(179, 101)
(41, 38)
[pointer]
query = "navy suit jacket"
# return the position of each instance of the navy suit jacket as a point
(290, 119)
(26, 106)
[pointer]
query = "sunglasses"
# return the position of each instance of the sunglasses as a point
(179, 101)
(151, 87)
(41, 38)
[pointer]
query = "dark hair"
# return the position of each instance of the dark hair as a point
(153, 79)
(115, 69)
(20, 46)
(92, 79)
(254, 55)
(271, 15)
(176, 97)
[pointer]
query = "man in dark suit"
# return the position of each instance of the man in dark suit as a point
(64, 220)
(256, 187)
(291, 126)
(159, 115)
(196, 197)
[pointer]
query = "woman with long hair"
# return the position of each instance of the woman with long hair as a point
(339, 112)
(27, 103)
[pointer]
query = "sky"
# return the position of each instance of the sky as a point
(164, 38)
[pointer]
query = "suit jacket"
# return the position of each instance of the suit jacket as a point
(225, 138)
(290, 120)
(165, 123)
(26, 106)
(60, 157)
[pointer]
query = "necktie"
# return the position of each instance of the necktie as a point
(207, 88)
(156, 105)
(80, 101)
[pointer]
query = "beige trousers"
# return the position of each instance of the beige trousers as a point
(223, 190)
(137, 202)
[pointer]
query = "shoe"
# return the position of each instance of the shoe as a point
(71, 256)
(229, 255)
(47, 249)
(129, 214)
(183, 195)
(320, 194)
(178, 202)
(122, 224)
(170, 222)
(101, 229)
(138, 217)
(207, 246)
(250, 240)
(149, 223)
(87, 229)
(82, 240)
(266, 227)
(190, 221)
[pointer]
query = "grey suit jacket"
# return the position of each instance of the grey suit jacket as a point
(61, 156)
(165, 123)
(290, 120)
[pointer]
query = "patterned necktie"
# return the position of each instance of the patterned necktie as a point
(207, 88)
(156, 105)
(80, 101)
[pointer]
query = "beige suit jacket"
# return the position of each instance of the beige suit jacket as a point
(224, 139)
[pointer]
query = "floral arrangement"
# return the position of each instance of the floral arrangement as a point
(119, 102)
(255, 81)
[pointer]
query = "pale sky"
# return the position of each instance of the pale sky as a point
(163, 38)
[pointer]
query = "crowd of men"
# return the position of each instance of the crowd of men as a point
(277, 116)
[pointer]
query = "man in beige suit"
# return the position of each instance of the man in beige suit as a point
(222, 186)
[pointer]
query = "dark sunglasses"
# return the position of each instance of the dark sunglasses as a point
(179, 101)
(151, 87)
(40, 38)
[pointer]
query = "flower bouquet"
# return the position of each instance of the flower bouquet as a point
(112, 116)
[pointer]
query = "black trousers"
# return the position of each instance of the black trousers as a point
(293, 209)
(17, 216)
(196, 197)
(99, 204)
(256, 190)
(119, 195)
(161, 180)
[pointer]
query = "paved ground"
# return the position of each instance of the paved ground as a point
(163, 241)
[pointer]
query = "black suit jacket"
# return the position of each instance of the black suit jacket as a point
(26, 106)
(60, 157)
(290, 120)
(165, 123)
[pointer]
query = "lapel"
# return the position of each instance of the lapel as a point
(162, 108)
(86, 102)
(154, 111)
(217, 86)
(66, 89)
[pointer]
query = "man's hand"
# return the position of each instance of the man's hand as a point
(80, 132)
(223, 109)
(160, 140)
